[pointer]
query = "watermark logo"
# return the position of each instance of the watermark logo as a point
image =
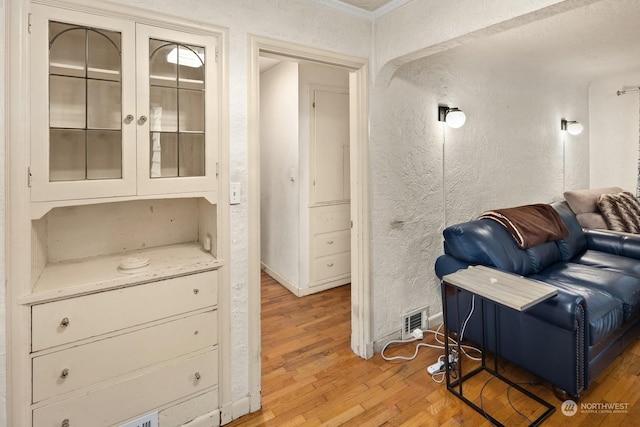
(569, 408)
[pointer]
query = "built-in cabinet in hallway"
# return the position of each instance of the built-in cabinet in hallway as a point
(125, 254)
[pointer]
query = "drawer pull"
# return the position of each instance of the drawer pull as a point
(65, 423)
(329, 264)
(197, 375)
(329, 242)
(196, 290)
(65, 322)
(64, 373)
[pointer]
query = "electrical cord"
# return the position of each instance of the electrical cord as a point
(439, 376)
(415, 338)
(455, 343)
(418, 334)
(512, 405)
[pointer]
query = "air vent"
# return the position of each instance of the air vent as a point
(416, 319)
(149, 420)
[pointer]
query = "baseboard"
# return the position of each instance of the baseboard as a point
(315, 288)
(212, 419)
(435, 321)
(378, 345)
(293, 288)
(303, 291)
(241, 407)
(235, 410)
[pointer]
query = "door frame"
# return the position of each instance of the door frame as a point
(361, 342)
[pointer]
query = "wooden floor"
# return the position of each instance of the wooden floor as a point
(311, 377)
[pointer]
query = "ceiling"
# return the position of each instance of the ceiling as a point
(578, 46)
(369, 5)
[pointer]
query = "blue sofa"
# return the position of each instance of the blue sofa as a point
(571, 338)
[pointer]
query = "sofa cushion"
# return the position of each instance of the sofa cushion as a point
(575, 243)
(621, 211)
(544, 255)
(488, 243)
(623, 287)
(609, 261)
(593, 220)
(586, 201)
(604, 313)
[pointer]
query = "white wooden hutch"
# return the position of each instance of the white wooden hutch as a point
(121, 307)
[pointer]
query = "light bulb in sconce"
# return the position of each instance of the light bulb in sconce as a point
(572, 127)
(453, 117)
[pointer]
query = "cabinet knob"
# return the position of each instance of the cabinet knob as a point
(64, 373)
(65, 423)
(129, 118)
(142, 120)
(64, 322)
(196, 290)
(197, 375)
(329, 264)
(329, 242)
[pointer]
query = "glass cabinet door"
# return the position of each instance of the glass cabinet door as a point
(176, 109)
(85, 103)
(83, 145)
(179, 152)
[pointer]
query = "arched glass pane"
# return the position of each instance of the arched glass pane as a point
(103, 55)
(191, 67)
(161, 71)
(67, 49)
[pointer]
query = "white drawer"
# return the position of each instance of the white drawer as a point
(70, 369)
(134, 396)
(64, 321)
(325, 219)
(332, 243)
(332, 266)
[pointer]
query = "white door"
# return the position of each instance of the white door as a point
(330, 147)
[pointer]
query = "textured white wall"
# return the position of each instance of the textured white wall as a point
(508, 153)
(279, 196)
(613, 125)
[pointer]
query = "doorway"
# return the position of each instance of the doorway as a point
(304, 174)
(361, 343)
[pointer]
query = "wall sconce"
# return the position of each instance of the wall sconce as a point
(453, 117)
(573, 127)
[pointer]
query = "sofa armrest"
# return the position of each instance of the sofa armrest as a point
(565, 310)
(446, 264)
(623, 244)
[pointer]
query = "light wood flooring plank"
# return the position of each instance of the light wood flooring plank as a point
(311, 377)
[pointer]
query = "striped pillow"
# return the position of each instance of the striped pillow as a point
(621, 211)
